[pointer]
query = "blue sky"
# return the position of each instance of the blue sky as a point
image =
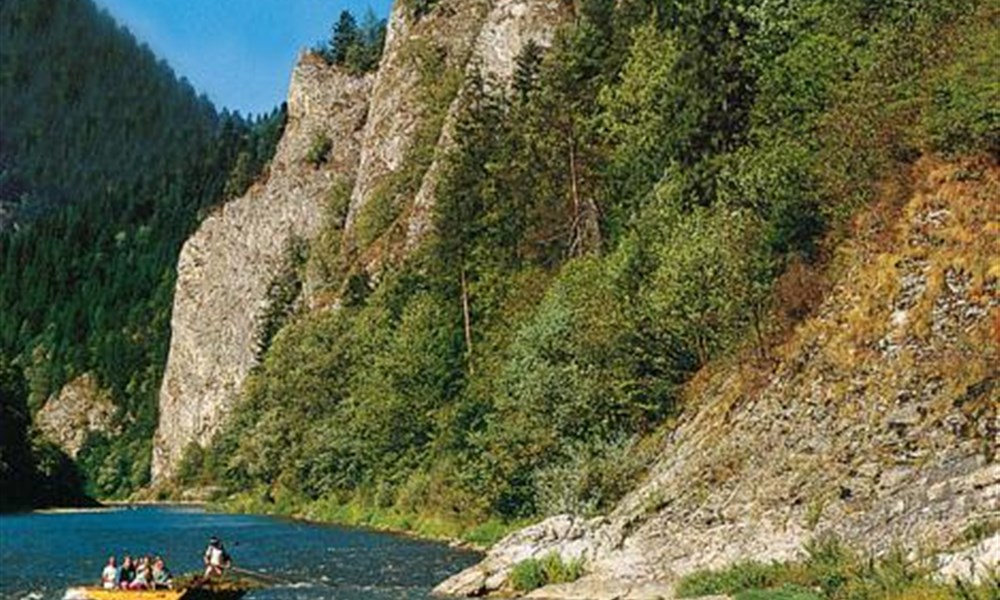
(239, 52)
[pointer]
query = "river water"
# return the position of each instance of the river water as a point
(41, 554)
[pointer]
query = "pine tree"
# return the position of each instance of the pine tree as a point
(345, 36)
(527, 65)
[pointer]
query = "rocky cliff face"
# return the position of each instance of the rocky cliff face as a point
(408, 128)
(225, 269)
(387, 131)
(508, 27)
(80, 408)
(878, 422)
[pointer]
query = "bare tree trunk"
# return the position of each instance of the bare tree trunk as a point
(575, 193)
(467, 320)
(758, 319)
(585, 231)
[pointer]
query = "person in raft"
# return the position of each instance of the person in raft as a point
(143, 577)
(161, 575)
(109, 576)
(127, 573)
(216, 558)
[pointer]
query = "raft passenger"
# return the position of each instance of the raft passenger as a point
(161, 576)
(142, 576)
(109, 576)
(127, 573)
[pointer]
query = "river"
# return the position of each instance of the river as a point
(41, 554)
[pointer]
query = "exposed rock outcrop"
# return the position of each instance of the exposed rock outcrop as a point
(508, 27)
(375, 124)
(419, 52)
(80, 408)
(456, 36)
(878, 423)
(225, 269)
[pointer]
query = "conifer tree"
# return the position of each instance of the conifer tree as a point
(344, 37)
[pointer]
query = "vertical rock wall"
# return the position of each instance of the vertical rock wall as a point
(399, 104)
(226, 267)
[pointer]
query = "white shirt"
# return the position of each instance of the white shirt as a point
(109, 577)
(214, 556)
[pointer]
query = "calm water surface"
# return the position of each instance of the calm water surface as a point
(42, 554)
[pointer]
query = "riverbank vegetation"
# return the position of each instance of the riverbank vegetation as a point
(648, 195)
(533, 573)
(831, 571)
(108, 161)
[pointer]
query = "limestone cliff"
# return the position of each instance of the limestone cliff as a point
(225, 269)
(388, 131)
(878, 421)
(80, 408)
(409, 127)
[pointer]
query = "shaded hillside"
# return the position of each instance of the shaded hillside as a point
(108, 160)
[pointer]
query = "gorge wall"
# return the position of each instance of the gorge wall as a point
(387, 135)
(226, 267)
(878, 422)
(80, 408)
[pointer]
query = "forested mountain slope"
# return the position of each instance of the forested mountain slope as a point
(107, 160)
(658, 186)
(874, 422)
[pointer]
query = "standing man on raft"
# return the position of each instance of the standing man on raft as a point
(216, 558)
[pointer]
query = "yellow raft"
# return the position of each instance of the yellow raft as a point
(191, 593)
(96, 593)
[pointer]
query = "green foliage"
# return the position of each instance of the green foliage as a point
(191, 465)
(282, 293)
(785, 592)
(605, 225)
(527, 575)
(358, 48)
(590, 480)
(32, 471)
(534, 573)
(344, 36)
(490, 532)
(438, 83)
(964, 115)
(712, 275)
(736, 578)
(319, 150)
(111, 161)
(326, 266)
(378, 214)
(833, 571)
(420, 8)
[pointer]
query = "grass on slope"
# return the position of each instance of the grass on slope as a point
(831, 571)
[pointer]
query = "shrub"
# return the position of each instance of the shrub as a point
(377, 214)
(419, 8)
(832, 571)
(488, 533)
(964, 113)
(527, 575)
(785, 592)
(736, 578)
(534, 573)
(319, 150)
(591, 479)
